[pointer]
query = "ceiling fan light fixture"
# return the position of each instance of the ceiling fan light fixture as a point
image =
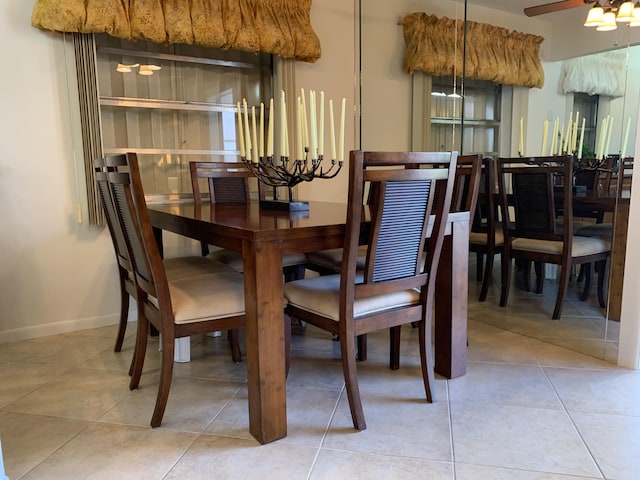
(608, 22)
(595, 16)
(625, 12)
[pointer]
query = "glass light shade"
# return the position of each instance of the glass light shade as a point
(625, 12)
(635, 22)
(608, 23)
(145, 70)
(595, 17)
(123, 68)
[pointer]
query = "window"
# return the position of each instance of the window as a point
(174, 104)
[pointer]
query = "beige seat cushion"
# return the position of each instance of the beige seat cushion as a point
(481, 238)
(581, 246)
(332, 258)
(203, 289)
(234, 259)
(320, 295)
(603, 230)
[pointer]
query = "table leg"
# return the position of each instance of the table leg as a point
(451, 299)
(618, 253)
(265, 341)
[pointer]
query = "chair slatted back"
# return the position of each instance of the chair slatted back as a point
(228, 182)
(403, 210)
(484, 217)
(625, 175)
(467, 184)
(131, 208)
(535, 199)
(113, 224)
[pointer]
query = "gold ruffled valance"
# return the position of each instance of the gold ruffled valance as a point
(280, 27)
(434, 46)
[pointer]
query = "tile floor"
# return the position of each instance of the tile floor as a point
(526, 409)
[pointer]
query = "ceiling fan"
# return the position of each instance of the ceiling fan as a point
(563, 5)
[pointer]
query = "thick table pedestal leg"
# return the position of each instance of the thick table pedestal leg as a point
(265, 341)
(451, 298)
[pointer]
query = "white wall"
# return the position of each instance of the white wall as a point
(55, 274)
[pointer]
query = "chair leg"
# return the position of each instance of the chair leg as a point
(124, 316)
(488, 273)
(347, 348)
(479, 265)
(233, 335)
(526, 270)
(166, 373)
(506, 280)
(585, 271)
(140, 350)
(426, 357)
(362, 348)
(562, 291)
(539, 268)
(602, 277)
(287, 344)
(394, 347)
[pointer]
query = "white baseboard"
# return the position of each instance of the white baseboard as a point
(46, 329)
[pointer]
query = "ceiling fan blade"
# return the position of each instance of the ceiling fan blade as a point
(554, 7)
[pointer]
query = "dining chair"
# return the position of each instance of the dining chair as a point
(199, 296)
(397, 283)
(125, 270)
(541, 189)
(486, 238)
(228, 182)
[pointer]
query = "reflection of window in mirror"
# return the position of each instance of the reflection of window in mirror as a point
(469, 124)
(587, 105)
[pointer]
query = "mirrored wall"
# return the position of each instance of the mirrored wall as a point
(479, 117)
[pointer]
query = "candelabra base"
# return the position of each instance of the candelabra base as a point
(284, 205)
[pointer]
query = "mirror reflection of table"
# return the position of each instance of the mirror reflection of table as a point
(609, 202)
(264, 236)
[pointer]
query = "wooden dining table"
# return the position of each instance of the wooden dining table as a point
(618, 205)
(263, 236)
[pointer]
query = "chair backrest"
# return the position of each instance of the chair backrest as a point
(403, 208)
(228, 182)
(467, 183)
(540, 188)
(485, 214)
(113, 224)
(131, 209)
(625, 175)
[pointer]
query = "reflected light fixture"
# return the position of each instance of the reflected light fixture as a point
(142, 69)
(606, 15)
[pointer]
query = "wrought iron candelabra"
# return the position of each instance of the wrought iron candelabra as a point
(288, 173)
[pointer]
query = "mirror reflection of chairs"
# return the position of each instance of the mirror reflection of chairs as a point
(533, 193)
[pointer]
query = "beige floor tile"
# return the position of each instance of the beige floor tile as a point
(595, 391)
(614, 441)
(192, 405)
(335, 464)
(18, 379)
(231, 458)
(399, 419)
(491, 344)
(504, 384)
(112, 451)
(82, 394)
(515, 437)
(549, 354)
(481, 472)
(27, 440)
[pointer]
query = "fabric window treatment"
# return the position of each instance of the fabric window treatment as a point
(598, 74)
(279, 27)
(435, 46)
